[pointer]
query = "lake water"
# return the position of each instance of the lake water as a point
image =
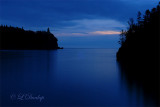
(68, 77)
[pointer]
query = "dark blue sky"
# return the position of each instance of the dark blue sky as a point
(76, 23)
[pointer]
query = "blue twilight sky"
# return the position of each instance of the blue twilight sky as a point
(76, 23)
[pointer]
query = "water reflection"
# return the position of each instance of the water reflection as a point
(25, 72)
(145, 90)
(68, 77)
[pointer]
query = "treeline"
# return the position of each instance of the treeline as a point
(139, 51)
(18, 39)
(141, 41)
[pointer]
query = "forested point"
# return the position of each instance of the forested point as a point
(140, 43)
(139, 51)
(14, 38)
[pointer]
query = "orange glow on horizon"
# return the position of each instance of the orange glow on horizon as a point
(105, 32)
(95, 33)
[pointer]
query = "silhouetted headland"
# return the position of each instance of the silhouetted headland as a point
(139, 51)
(14, 38)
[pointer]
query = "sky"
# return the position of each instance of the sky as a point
(76, 23)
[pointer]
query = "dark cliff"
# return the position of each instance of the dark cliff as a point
(140, 44)
(14, 38)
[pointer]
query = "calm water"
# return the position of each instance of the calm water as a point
(68, 77)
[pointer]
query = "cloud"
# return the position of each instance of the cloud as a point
(95, 33)
(90, 27)
(46, 13)
(70, 16)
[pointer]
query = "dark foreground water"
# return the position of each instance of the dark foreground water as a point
(68, 77)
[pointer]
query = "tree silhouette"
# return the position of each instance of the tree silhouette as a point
(139, 18)
(122, 37)
(18, 38)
